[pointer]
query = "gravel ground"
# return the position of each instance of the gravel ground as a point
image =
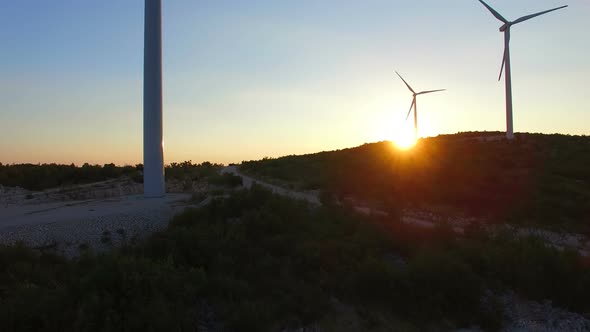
(68, 228)
(522, 315)
(96, 215)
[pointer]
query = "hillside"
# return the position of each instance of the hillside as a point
(537, 179)
(247, 259)
(254, 261)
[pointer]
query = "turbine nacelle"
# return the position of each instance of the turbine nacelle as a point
(507, 23)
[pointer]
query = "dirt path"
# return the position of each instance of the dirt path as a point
(248, 181)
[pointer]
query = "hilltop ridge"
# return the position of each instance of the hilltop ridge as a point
(537, 179)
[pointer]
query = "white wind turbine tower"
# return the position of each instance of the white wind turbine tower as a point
(506, 61)
(153, 149)
(414, 104)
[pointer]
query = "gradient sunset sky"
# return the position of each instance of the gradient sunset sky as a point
(249, 79)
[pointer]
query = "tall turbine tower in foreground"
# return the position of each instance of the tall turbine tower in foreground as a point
(414, 104)
(153, 149)
(506, 61)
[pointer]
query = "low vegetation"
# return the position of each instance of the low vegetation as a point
(225, 180)
(259, 262)
(540, 180)
(186, 170)
(45, 176)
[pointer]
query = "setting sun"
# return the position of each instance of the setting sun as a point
(401, 133)
(404, 140)
(403, 136)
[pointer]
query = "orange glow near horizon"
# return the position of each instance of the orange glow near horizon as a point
(404, 141)
(387, 128)
(403, 136)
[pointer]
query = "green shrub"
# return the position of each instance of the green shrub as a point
(226, 180)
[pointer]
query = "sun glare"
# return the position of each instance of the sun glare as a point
(399, 132)
(403, 137)
(404, 140)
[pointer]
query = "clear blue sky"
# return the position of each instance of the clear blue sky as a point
(244, 80)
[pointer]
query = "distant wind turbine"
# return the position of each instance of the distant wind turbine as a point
(414, 104)
(506, 61)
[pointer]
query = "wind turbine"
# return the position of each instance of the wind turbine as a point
(414, 104)
(506, 61)
(153, 143)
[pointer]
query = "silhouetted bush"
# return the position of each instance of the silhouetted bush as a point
(44, 176)
(188, 170)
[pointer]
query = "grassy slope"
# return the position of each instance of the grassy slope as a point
(537, 179)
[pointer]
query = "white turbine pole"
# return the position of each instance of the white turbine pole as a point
(153, 149)
(508, 80)
(415, 119)
(506, 61)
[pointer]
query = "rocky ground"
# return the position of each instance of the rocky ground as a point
(106, 224)
(522, 315)
(96, 216)
(124, 186)
(99, 190)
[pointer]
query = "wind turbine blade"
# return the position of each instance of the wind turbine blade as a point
(507, 31)
(494, 12)
(409, 87)
(410, 111)
(502, 68)
(430, 91)
(528, 17)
